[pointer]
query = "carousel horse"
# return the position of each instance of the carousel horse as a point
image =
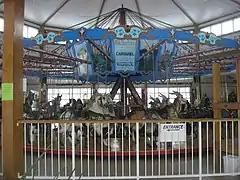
(27, 105)
(72, 112)
(169, 110)
(32, 129)
(41, 111)
(65, 130)
(201, 109)
(154, 103)
(230, 113)
(172, 110)
(150, 129)
(35, 107)
(27, 114)
(100, 107)
(55, 106)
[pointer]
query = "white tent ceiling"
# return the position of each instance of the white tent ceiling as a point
(180, 13)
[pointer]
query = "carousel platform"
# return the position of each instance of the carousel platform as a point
(127, 149)
(118, 153)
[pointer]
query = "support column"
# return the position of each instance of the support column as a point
(43, 80)
(145, 94)
(43, 92)
(12, 88)
(93, 88)
(197, 79)
(217, 112)
(123, 91)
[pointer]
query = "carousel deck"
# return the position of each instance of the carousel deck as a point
(127, 148)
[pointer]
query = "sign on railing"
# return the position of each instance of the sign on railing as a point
(172, 132)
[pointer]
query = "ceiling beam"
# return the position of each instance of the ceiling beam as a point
(220, 19)
(236, 2)
(100, 12)
(184, 12)
(55, 12)
(139, 12)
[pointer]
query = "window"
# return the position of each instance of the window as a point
(154, 92)
(236, 24)
(108, 90)
(183, 42)
(1, 24)
(69, 93)
(31, 32)
(206, 29)
(227, 27)
(25, 31)
(216, 29)
(61, 42)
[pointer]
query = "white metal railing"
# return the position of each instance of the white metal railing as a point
(143, 151)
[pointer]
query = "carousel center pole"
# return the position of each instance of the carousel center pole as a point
(123, 86)
(125, 83)
(12, 146)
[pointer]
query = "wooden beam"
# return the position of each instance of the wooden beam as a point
(217, 113)
(12, 89)
(226, 106)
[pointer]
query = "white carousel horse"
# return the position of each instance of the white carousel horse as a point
(32, 129)
(100, 107)
(65, 130)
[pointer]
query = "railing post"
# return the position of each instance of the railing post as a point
(200, 149)
(137, 150)
(73, 152)
(12, 146)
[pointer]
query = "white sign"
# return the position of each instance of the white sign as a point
(125, 51)
(172, 132)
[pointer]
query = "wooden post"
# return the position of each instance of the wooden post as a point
(217, 112)
(12, 88)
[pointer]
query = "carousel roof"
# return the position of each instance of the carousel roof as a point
(178, 13)
(105, 13)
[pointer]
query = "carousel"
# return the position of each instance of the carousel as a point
(125, 49)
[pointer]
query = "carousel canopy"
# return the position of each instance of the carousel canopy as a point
(92, 44)
(178, 13)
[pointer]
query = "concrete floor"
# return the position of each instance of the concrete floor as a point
(126, 167)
